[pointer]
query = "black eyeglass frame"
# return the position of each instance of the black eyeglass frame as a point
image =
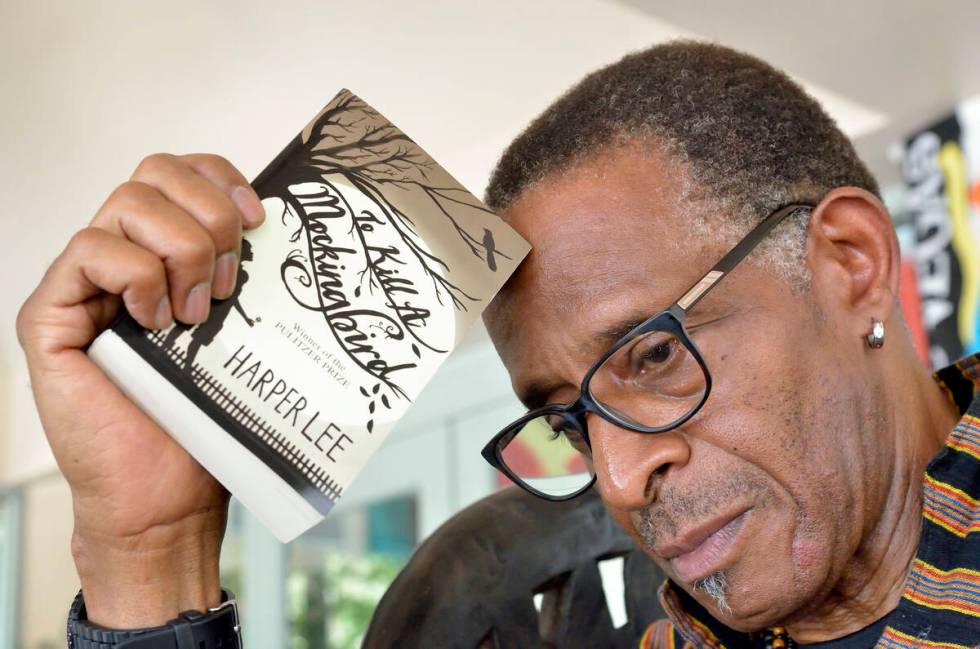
(671, 321)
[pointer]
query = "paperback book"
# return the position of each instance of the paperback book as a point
(371, 264)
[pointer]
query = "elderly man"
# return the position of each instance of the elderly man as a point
(708, 319)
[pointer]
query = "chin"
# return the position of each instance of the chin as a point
(737, 612)
(749, 597)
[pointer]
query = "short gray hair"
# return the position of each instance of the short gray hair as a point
(750, 139)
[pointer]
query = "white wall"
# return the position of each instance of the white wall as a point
(47, 580)
(90, 87)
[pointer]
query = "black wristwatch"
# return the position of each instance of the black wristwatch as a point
(218, 628)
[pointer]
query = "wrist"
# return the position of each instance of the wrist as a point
(217, 627)
(146, 579)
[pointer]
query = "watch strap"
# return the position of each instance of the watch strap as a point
(218, 628)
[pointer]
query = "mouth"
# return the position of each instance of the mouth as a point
(703, 549)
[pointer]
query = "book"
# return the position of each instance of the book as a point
(371, 264)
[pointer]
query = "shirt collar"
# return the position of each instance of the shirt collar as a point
(961, 382)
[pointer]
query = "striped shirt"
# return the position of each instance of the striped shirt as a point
(940, 605)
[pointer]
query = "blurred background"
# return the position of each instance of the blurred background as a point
(89, 88)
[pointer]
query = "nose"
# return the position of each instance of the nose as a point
(627, 463)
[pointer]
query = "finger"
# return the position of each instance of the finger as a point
(226, 176)
(216, 194)
(146, 217)
(200, 196)
(97, 261)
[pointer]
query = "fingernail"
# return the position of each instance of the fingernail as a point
(198, 303)
(164, 316)
(225, 274)
(251, 207)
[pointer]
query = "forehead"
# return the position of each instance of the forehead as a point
(611, 240)
(593, 226)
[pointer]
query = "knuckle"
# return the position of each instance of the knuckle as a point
(217, 168)
(145, 282)
(131, 192)
(86, 240)
(149, 275)
(221, 221)
(25, 319)
(194, 249)
(154, 164)
(215, 161)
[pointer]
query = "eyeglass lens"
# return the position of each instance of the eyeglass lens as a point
(548, 454)
(652, 381)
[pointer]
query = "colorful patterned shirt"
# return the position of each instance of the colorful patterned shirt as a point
(940, 606)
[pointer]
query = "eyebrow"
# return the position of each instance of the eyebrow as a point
(611, 335)
(536, 393)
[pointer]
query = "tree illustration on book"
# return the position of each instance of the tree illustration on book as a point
(350, 145)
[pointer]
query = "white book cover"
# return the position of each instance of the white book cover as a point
(371, 264)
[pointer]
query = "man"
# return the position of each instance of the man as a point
(783, 495)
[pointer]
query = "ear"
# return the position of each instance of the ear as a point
(853, 254)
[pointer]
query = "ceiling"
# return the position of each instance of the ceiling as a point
(907, 60)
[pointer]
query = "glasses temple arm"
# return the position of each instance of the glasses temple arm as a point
(741, 250)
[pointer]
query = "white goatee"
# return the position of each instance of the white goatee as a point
(714, 586)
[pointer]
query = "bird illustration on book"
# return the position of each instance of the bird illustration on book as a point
(491, 247)
(204, 333)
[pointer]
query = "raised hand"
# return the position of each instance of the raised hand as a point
(149, 520)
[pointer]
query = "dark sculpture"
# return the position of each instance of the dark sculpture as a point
(471, 584)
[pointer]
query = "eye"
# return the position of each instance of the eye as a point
(573, 437)
(658, 353)
(558, 426)
(561, 427)
(654, 352)
(569, 433)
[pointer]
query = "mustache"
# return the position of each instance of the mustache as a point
(677, 507)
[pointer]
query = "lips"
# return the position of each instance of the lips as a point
(701, 550)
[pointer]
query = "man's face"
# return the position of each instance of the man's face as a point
(765, 484)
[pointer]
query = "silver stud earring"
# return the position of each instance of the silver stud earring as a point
(876, 339)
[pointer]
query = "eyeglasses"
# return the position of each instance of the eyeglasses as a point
(651, 380)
